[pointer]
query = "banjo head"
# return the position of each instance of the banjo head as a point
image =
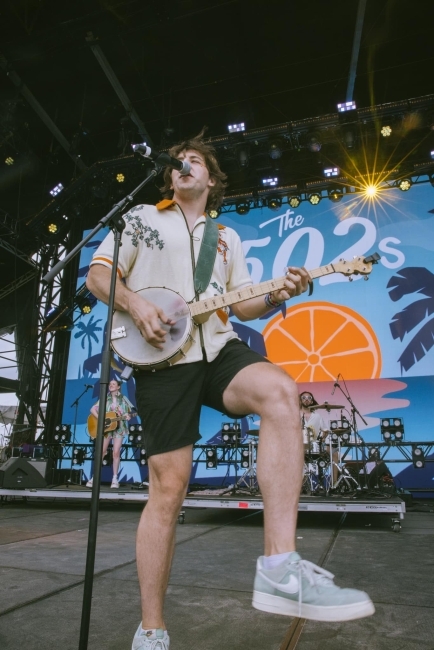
(130, 344)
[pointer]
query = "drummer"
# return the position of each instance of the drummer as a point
(311, 421)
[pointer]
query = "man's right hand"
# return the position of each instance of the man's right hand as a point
(150, 320)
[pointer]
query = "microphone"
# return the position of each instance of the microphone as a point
(88, 385)
(336, 383)
(162, 158)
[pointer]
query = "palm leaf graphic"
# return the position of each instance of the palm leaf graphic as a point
(421, 281)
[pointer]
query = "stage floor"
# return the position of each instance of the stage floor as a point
(215, 499)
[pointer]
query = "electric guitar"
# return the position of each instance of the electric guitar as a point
(133, 349)
(111, 422)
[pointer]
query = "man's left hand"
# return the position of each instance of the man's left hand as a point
(296, 283)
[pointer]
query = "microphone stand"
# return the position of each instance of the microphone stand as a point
(75, 405)
(113, 219)
(355, 411)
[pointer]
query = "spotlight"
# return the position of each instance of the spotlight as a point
(314, 142)
(143, 456)
(335, 194)
(236, 128)
(214, 213)
(392, 429)
(386, 131)
(374, 453)
(9, 161)
(58, 319)
(62, 433)
(404, 184)
(107, 461)
(231, 432)
(275, 150)
(418, 457)
(79, 456)
(294, 201)
(314, 198)
(84, 304)
(243, 207)
(331, 171)
(371, 190)
(56, 190)
(120, 178)
(211, 458)
(52, 228)
(270, 182)
(347, 106)
(432, 155)
(274, 202)
(245, 458)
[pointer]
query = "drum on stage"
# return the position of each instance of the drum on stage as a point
(308, 438)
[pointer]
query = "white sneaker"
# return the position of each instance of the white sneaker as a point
(115, 482)
(90, 482)
(150, 641)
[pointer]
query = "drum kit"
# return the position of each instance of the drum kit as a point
(322, 471)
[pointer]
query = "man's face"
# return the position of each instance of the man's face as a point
(197, 181)
(306, 399)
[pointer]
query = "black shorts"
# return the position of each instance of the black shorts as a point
(169, 401)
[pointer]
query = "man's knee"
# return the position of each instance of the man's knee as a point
(281, 391)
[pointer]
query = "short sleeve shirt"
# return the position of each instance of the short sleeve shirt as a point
(158, 250)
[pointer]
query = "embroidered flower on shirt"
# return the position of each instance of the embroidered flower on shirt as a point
(217, 287)
(139, 230)
(222, 248)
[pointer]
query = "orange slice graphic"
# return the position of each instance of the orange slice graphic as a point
(316, 342)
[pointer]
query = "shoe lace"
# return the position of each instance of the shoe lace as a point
(314, 574)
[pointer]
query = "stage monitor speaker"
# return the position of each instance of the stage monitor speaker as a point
(22, 473)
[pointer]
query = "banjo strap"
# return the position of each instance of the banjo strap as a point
(207, 255)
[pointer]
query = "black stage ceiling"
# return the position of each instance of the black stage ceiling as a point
(183, 64)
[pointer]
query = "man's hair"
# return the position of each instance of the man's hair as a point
(197, 143)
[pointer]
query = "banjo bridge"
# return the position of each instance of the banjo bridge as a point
(118, 333)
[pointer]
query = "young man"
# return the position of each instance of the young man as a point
(160, 248)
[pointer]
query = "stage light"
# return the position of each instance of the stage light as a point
(314, 198)
(79, 456)
(56, 190)
(242, 153)
(371, 190)
(62, 433)
(336, 194)
(346, 106)
(270, 181)
(275, 149)
(245, 458)
(274, 202)
(107, 461)
(242, 207)
(314, 142)
(418, 457)
(9, 161)
(84, 304)
(386, 131)
(120, 178)
(294, 201)
(392, 429)
(231, 432)
(374, 453)
(404, 184)
(432, 155)
(331, 171)
(214, 213)
(52, 228)
(236, 128)
(143, 456)
(58, 319)
(211, 458)
(135, 435)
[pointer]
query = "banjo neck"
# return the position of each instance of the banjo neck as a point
(201, 310)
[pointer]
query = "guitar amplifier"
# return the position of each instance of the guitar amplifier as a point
(23, 473)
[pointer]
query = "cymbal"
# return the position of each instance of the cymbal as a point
(327, 406)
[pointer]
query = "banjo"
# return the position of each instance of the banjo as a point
(129, 344)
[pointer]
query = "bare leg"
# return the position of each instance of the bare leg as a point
(265, 389)
(117, 444)
(169, 474)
